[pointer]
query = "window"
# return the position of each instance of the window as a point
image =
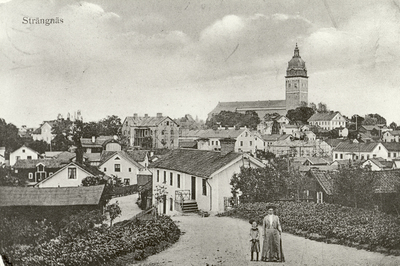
(23, 151)
(178, 181)
(167, 123)
(204, 184)
(171, 177)
(129, 169)
(388, 154)
(165, 176)
(171, 204)
(127, 181)
(40, 168)
(17, 157)
(117, 167)
(30, 175)
(29, 157)
(394, 154)
(51, 173)
(251, 143)
(212, 142)
(158, 175)
(117, 158)
(241, 143)
(341, 156)
(367, 156)
(105, 169)
(71, 173)
(335, 155)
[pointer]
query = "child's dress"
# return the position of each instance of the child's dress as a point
(255, 242)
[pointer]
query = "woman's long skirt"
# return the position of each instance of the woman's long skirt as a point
(271, 249)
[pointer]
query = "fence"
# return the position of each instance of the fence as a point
(151, 211)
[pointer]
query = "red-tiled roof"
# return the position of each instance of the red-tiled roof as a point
(199, 163)
(67, 196)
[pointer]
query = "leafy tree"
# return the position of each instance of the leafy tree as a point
(276, 127)
(373, 119)
(353, 186)
(8, 180)
(77, 134)
(358, 120)
(393, 126)
(39, 145)
(313, 106)
(160, 193)
(91, 129)
(62, 130)
(9, 137)
(111, 125)
(227, 118)
(322, 108)
(114, 211)
(258, 184)
(296, 182)
(300, 114)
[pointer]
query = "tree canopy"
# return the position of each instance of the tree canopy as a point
(300, 114)
(249, 119)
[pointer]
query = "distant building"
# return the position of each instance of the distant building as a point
(151, 132)
(378, 164)
(391, 136)
(296, 81)
(393, 149)
(300, 148)
(359, 151)
(23, 153)
(327, 121)
(44, 132)
(36, 170)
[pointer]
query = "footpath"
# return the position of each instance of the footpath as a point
(225, 241)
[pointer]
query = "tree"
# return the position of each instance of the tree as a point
(322, 108)
(258, 184)
(62, 131)
(160, 194)
(227, 118)
(111, 125)
(393, 126)
(40, 146)
(9, 137)
(373, 119)
(313, 106)
(296, 182)
(276, 128)
(354, 186)
(300, 114)
(91, 129)
(357, 120)
(114, 211)
(77, 133)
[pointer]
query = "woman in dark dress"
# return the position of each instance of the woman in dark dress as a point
(271, 250)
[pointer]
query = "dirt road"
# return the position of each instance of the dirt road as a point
(225, 241)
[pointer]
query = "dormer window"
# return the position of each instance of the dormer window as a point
(71, 173)
(23, 150)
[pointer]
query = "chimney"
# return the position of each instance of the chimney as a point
(159, 114)
(227, 145)
(135, 116)
(93, 139)
(146, 115)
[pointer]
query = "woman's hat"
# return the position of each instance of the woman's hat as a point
(271, 206)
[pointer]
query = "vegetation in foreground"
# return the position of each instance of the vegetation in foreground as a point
(81, 242)
(361, 228)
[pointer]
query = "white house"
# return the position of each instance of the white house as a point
(391, 136)
(122, 165)
(393, 149)
(378, 164)
(327, 121)
(70, 175)
(209, 139)
(359, 151)
(23, 153)
(44, 132)
(198, 178)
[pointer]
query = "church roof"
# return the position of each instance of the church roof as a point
(250, 105)
(296, 66)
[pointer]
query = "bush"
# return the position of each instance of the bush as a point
(99, 246)
(347, 225)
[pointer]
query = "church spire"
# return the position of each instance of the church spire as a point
(296, 51)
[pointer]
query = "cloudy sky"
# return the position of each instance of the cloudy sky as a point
(177, 57)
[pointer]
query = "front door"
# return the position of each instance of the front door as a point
(193, 188)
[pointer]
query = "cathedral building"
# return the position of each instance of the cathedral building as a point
(296, 93)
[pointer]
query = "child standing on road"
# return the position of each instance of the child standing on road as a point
(254, 239)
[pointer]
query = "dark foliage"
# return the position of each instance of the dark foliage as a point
(300, 114)
(227, 118)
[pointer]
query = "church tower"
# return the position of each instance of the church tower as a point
(296, 82)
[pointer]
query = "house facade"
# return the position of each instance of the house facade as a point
(327, 121)
(71, 175)
(393, 149)
(198, 177)
(121, 164)
(300, 148)
(23, 153)
(151, 132)
(391, 136)
(36, 170)
(359, 151)
(44, 132)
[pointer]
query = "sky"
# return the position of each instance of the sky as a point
(180, 57)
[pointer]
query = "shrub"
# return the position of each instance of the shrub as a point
(364, 227)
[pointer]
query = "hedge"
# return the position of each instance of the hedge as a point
(368, 229)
